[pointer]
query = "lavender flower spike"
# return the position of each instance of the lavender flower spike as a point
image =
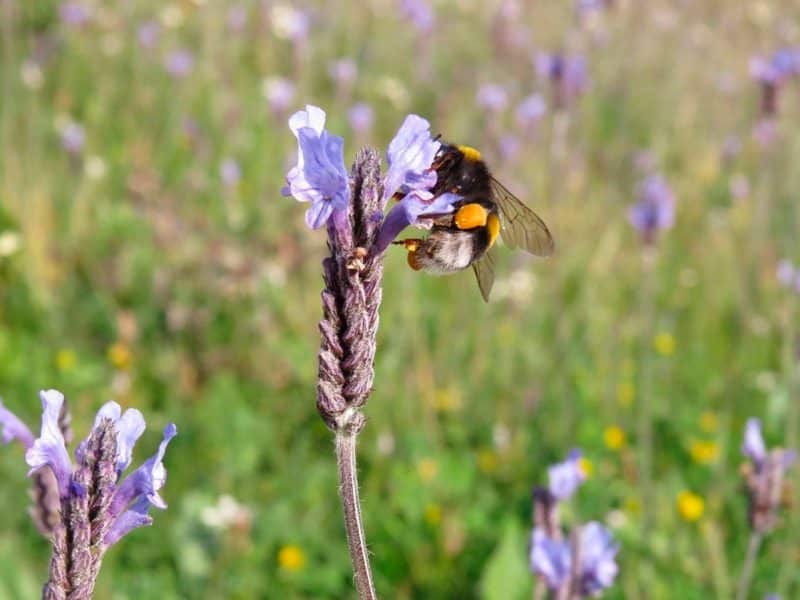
(82, 509)
(14, 429)
(320, 176)
(49, 448)
(654, 210)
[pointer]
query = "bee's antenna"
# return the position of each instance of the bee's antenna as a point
(438, 137)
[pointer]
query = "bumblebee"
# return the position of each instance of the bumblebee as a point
(466, 237)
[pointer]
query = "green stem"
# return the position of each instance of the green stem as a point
(356, 541)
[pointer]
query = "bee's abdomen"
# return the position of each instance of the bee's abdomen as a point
(447, 250)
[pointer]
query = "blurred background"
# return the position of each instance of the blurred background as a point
(146, 255)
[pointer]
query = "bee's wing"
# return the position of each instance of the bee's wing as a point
(484, 273)
(522, 228)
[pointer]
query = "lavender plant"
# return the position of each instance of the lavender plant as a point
(576, 564)
(765, 485)
(85, 509)
(351, 207)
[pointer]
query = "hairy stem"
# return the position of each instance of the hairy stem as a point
(749, 562)
(356, 541)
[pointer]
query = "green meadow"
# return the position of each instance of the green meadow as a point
(147, 256)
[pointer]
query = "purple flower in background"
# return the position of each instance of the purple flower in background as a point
(279, 93)
(772, 73)
(564, 478)
(237, 18)
(764, 477)
(179, 63)
(753, 446)
(655, 208)
(509, 146)
(290, 23)
(148, 34)
(776, 69)
(786, 273)
(550, 559)
(49, 451)
(229, 172)
(553, 559)
(492, 97)
(320, 176)
(410, 156)
(419, 12)
(361, 117)
(74, 13)
(73, 138)
(765, 131)
(586, 8)
(566, 74)
(597, 553)
(343, 72)
(530, 111)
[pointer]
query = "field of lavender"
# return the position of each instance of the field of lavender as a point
(148, 256)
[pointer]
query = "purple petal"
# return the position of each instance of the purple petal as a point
(49, 448)
(133, 518)
(597, 554)
(145, 481)
(312, 116)
(14, 429)
(565, 477)
(128, 426)
(753, 446)
(129, 429)
(320, 176)
(413, 207)
(785, 272)
(531, 110)
(550, 559)
(409, 156)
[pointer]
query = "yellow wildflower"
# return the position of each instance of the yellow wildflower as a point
(487, 460)
(633, 506)
(625, 393)
(291, 558)
(120, 355)
(704, 452)
(427, 468)
(433, 514)
(664, 344)
(586, 467)
(709, 421)
(614, 437)
(65, 359)
(448, 400)
(690, 506)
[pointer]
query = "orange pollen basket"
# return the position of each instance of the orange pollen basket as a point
(471, 216)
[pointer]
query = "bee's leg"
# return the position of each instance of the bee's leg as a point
(412, 245)
(471, 216)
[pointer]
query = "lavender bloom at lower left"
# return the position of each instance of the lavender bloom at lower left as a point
(94, 509)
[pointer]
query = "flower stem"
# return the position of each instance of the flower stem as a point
(749, 562)
(356, 541)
